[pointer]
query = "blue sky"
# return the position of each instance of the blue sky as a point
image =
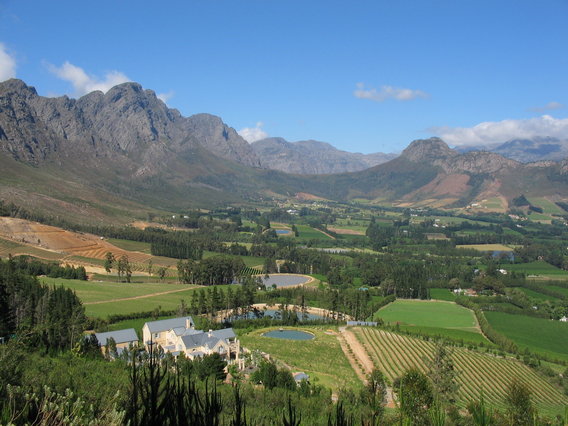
(366, 76)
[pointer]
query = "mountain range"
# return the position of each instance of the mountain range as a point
(313, 157)
(124, 153)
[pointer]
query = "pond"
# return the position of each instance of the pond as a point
(287, 280)
(283, 231)
(289, 335)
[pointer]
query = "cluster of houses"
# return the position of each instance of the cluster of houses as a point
(177, 336)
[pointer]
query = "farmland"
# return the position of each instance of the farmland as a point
(393, 354)
(106, 298)
(321, 358)
(539, 335)
(539, 268)
(429, 314)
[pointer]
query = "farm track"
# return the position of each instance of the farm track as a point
(144, 296)
(393, 354)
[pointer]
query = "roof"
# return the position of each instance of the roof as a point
(199, 340)
(225, 333)
(167, 324)
(119, 336)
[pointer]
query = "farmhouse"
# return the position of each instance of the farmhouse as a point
(179, 335)
(123, 339)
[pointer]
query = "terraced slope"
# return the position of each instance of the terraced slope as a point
(393, 354)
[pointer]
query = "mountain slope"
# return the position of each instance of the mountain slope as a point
(527, 150)
(124, 154)
(312, 157)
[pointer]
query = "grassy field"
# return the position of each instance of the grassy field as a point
(539, 335)
(439, 314)
(308, 233)
(539, 268)
(321, 358)
(442, 294)
(393, 354)
(130, 245)
(485, 247)
(547, 206)
(536, 295)
(102, 299)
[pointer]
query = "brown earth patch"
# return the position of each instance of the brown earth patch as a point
(342, 231)
(308, 197)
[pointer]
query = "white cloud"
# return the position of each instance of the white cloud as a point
(387, 92)
(165, 97)
(84, 83)
(7, 64)
(502, 131)
(548, 107)
(252, 134)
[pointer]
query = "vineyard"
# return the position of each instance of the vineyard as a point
(393, 354)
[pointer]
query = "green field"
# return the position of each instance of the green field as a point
(539, 268)
(393, 354)
(537, 334)
(485, 247)
(308, 233)
(321, 358)
(547, 206)
(100, 298)
(442, 294)
(439, 314)
(14, 248)
(536, 295)
(130, 245)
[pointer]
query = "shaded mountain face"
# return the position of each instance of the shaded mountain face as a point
(313, 157)
(127, 120)
(527, 150)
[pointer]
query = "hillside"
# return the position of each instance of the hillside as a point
(124, 154)
(313, 157)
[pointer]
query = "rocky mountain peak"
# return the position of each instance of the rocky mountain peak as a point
(431, 150)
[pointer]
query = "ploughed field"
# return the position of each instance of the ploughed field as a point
(393, 354)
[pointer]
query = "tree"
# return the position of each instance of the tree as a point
(150, 265)
(123, 268)
(443, 374)
(374, 393)
(162, 273)
(109, 261)
(520, 408)
(415, 396)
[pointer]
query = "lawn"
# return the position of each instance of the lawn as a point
(306, 232)
(485, 247)
(100, 298)
(536, 295)
(539, 268)
(442, 294)
(539, 335)
(421, 313)
(321, 358)
(130, 245)
(547, 206)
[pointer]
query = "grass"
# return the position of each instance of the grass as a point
(130, 245)
(321, 358)
(393, 354)
(547, 206)
(537, 334)
(485, 247)
(536, 295)
(439, 314)
(467, 337)
(540, 268)
(308, 233)
(442, 294)
(107, 292)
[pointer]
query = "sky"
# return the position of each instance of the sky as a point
(365, 76)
